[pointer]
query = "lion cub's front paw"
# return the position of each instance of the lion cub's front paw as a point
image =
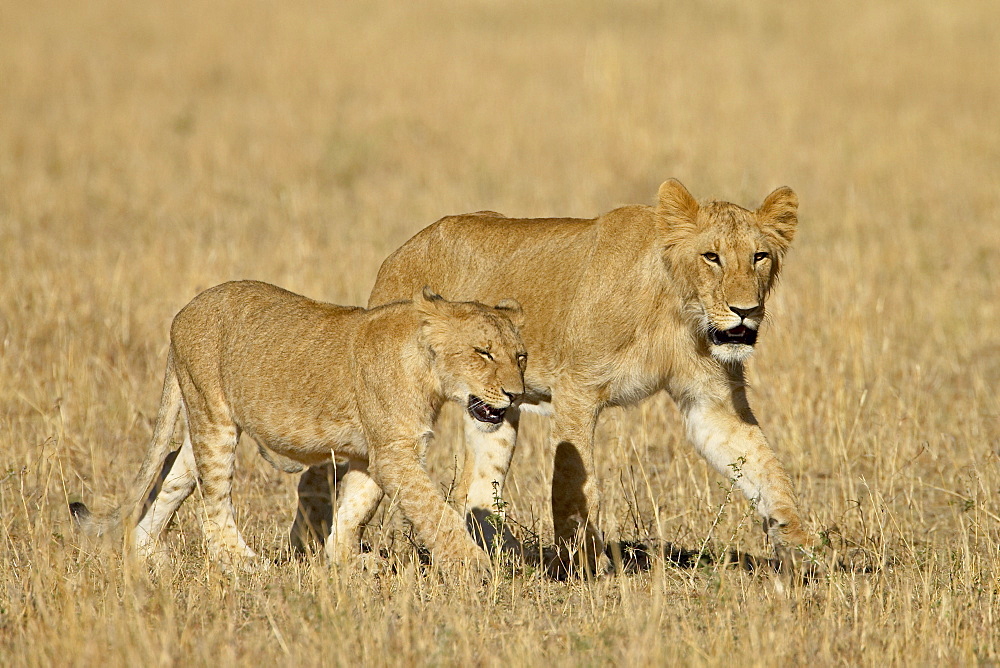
(471, 565)
(237, 561)
(245, 565)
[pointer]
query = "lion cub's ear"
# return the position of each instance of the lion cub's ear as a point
(427, 301)
(431, 308)
(779, 214)
(676, 209)
(512, 309)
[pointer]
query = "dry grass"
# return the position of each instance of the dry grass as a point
(149, 150)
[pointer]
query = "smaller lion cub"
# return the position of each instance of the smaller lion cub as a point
(308, 381)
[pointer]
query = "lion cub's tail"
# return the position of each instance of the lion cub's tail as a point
(158, 461)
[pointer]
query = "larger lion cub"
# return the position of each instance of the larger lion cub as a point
(642, 299)
(308, 380)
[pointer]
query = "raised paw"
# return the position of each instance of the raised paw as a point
(793, 549)
(782, 532)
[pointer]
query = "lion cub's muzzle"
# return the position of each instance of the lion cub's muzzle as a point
(741, 334)
(484, 412)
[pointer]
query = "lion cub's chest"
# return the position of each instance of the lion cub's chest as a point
(632, 383)
(647, 363)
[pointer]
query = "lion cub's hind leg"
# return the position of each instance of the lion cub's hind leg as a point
(214, 436)
(358, 496)
(177, 485)
(314, 516)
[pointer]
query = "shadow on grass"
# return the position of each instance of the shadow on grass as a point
(628, 557)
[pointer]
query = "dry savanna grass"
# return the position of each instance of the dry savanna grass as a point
(151, 150)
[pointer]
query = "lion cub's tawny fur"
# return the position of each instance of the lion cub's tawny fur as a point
(641, 299)
(309, 380)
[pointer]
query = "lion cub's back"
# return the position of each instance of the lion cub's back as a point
(486, 257)
(260, 328)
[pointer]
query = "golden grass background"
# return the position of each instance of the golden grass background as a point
(150, 150)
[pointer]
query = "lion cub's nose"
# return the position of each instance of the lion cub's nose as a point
(744, 312)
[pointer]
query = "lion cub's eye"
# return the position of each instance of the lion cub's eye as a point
(485, 354)
(757, 257)
(711, 257)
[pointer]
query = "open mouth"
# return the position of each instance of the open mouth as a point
(741, 334)
(482, 411)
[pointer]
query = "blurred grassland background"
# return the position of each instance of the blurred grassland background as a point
(151, 150)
